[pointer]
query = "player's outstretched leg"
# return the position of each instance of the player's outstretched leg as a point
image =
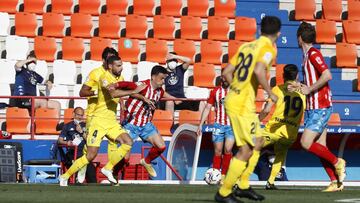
(76, 166)
(228, 199)
(158, 148)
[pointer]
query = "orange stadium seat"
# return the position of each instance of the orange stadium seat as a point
(144, 7)
(163, 120)
(45, 48)
(164, 27)
(346, 55)
(351, 31)
(171, 8)
(68, 115)
(245, 28)
(335, 119)
(185, 47)
(156, 50)
(89, 7)
(189, 117)
(81, 25)
(332, 9)
(46, 121)
(305, 9)
(25, 24)
(190, 27)
(225, 8)
(62, 6)
(198, 8)
(97, 45)
(129, 49)
(353, 9)
(204, 75)
(117, 7)
(8, 6)
(53, 25)
(17, 120)
(211, 51)
(34, 6)
(73, 49)
(109, 26)
(136, 26)
(233, 46)
(218, 28)
(279, 74)
(325, 31)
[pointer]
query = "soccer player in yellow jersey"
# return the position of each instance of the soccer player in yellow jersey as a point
(104, 123)
(246, 70)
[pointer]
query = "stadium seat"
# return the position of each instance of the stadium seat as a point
(279, 74)
(17, 120)
(16, 47)
(335, 119)
(89, 7)
(8, 6)
(45, 48)
(171, 8)
(346, 55)
(86, 67)
(109, 26)
(81, 25)
(164, 27)
(305, 9)
(34, 6)
(163, 120)
(190, 27)
(129, 49)
(353, 9)
(62, 6)
(117, 7)
(25, 24)
(64, 72)
(42, 68)
(189, 117)
(4, 90)
(185, 47)
(233, 46)
(79, 102)
(127, 71)
(68, 115)
(60, 91)
(97, 46)
(204, 75)
(218, 28)
(7, 68)
(351, 31)
(156, 50)
(193, 92)
(144, 7)
(73, 49)
(53, 25)
(325, 31)
(198, 8)
(211, 51)
(46, 121)
(245, 28)
(225, 8)
(4, 24)
(144, 70)
(332, 9)
(136, 26)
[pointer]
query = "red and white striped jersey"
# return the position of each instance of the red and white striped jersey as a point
(313, 66)
(137, 111)
(216, 98)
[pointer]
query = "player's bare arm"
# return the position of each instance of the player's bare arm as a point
(117, 93)
(228, 73)
(324, 78)
(86, 91)
(260, 72)
(266, 110)
(204, 116)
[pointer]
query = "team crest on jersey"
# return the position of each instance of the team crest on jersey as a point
(104, 83)
(173, 80)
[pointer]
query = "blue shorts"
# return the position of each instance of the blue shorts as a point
(317, 119)
(222, 132)
(144, 132)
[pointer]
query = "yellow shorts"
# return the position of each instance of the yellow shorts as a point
(246, 128)
(97, 132)
(279, 141)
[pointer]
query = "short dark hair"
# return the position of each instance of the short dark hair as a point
(156, 70)
(307, 32)
(78, 108)
(270, 25)
(31, 54)
(107, 51)
(290, 72)
(111, 59)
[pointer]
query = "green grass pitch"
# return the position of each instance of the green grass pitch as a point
(128, 193)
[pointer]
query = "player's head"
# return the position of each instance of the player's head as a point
(290, 72)
(270, 26)
(114, 63)
(158, 75)
(224, 83)
(172, 63)
(107, 52)
(78, 114)
(306, 34)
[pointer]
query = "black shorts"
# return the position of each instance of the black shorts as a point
(184, 105)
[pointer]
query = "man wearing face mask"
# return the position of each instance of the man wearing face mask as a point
(26, 80)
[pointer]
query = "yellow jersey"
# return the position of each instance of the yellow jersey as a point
(243, 88)
(289, 109)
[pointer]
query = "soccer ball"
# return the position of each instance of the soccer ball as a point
(212, 176)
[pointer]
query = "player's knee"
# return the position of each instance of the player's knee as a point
(305, 143)
(91, 155)
(218, 152)
(228, 150)
(128, 141)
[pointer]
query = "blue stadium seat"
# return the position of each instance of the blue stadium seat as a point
(290, 55)
(259, 13)
(288, 37)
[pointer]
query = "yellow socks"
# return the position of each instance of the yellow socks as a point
(244, 180)
(236, 168)
(112, 148)
(276, 167)
(117, 156)
(77, 165)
